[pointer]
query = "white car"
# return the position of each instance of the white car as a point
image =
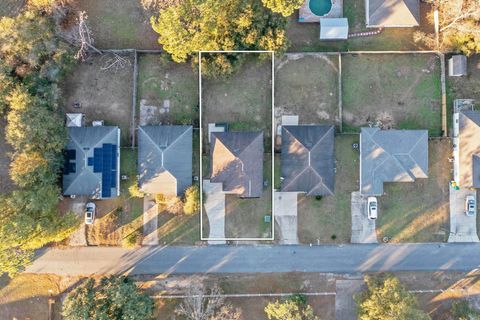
(90, 211)
(470, 206)
(372, 208)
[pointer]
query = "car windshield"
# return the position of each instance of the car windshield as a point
(89, 214)
(373, 205)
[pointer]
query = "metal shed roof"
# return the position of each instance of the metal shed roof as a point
(333, 28)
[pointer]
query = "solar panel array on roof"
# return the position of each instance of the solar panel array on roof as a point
(70, 165)
(104, 161)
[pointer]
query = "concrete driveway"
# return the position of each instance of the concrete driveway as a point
(214, 206)
(150, 221)
(462, 227)
(79, 237)
(286, 216)
(363, 229)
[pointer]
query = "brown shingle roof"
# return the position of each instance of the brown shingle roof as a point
(393, 13)
(236, 160)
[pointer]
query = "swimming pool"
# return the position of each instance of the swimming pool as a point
(320, 7)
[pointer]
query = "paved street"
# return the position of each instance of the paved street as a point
(249, 259)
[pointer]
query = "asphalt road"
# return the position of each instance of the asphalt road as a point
(258, 259)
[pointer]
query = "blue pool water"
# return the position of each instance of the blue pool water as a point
(320, 7)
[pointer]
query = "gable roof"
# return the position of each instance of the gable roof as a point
(333, 28)
(164, 159)
(393, 13)
(469, 148)
(236, 160)
(308, 159)
(92, 161)
(391, 156)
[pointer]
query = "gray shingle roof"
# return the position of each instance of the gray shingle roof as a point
(393, 13)
(457, 65)
(308, 159)
(84, 181)
(236, 160)
(469, 148)
(391, 156)
(164, 159)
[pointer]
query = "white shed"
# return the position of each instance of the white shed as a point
(75, 119)
(457, 66)
(333, 28)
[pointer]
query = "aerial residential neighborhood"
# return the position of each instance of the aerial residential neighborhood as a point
(239, 159)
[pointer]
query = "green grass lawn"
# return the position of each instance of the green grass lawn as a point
(161, 80)
(400, 91)
(307, 86)
(244, 217)
(419, 211)
(329, 219)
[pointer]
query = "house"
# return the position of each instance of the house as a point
(392, 13)
(92, 162)
(391, 156)
(307, 159)
(457, 66)
(333, 28)
(164, 159)
(236, 161)
(469, 149)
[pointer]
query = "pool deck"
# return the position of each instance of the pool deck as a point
(306, 15)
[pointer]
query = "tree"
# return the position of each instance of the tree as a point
(194, 25)
(203, 304)
(459, 26)
(192, 200)
(387, 299)
(33, 61)
(293, 308)
(461, 310)
(114, 298)
(284, 7)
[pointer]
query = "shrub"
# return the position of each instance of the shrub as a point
(192, 200)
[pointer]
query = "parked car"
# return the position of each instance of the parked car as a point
(90, 211)
(470, 206)
(372, 207)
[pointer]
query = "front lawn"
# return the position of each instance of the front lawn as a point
(244, 217)
(419, 211)
(399, 91)
(329, 220)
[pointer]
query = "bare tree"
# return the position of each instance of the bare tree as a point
(202, 304)
(458, 25)
(114, 62)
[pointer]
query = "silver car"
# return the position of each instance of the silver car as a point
(372, 207)
(470, 206)
(90, 211)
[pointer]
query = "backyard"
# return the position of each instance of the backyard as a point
(167, 91)
(243, 99)
(328, 220)
(307, 85)
(399, 91)
(466, 87)
(419, 211)
(102, 94)
(119, 24)
(305, 36)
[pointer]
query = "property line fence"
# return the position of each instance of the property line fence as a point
(339, 54)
